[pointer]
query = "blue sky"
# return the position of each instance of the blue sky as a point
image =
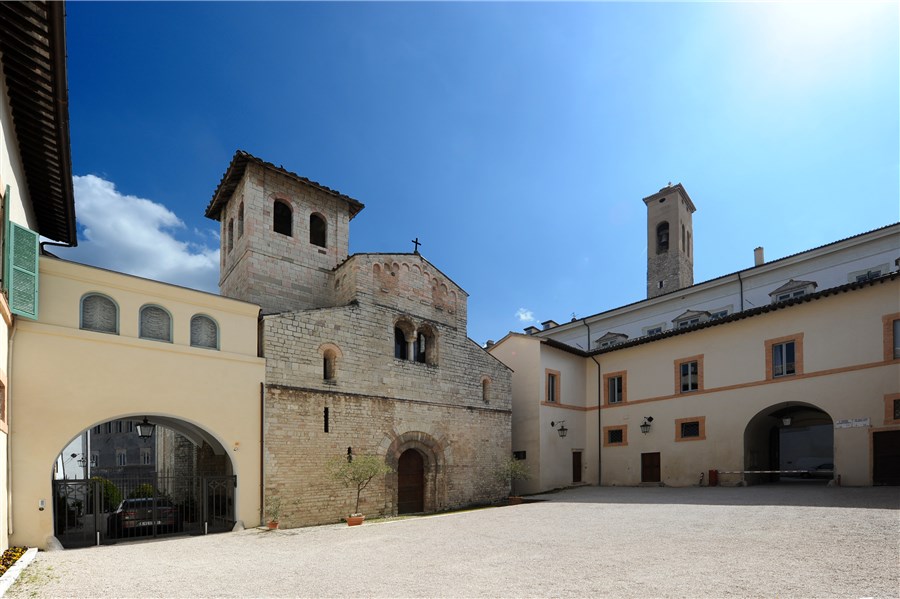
(516, 140)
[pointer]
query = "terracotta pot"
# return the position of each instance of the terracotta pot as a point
(273, 525)
(512, 500)
(355, 520)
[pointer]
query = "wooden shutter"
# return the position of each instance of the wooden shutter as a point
(22, 270)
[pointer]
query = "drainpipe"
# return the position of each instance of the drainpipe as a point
(741, 283)
(262, 452)
(9, 469)
(599, 406)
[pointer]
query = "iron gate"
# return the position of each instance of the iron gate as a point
(104, 511)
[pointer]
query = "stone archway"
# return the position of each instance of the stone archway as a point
(411, 482)
(794, 439)
(433, 463)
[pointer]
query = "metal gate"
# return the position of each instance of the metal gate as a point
(104, 511)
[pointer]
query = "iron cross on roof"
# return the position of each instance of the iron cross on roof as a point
(417, 244)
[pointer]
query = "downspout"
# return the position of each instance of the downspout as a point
(262, 452)
(599, 406)
(9, 361)
(741, 283)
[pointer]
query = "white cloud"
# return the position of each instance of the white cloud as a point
(525, 315)
(136, 236)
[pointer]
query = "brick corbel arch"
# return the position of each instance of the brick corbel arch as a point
(436, 460)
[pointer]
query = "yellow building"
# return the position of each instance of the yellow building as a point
(789, 369)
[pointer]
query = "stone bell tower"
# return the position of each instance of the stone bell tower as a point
(670, 240)
(282, 235)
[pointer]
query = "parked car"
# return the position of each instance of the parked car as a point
(135, 517)
(822, 471)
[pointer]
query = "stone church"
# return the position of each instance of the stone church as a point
(365, 354)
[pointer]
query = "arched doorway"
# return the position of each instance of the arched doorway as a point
(140, 477)
(790, 442)
(410, 482)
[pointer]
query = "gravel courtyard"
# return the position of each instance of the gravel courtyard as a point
(773, 541)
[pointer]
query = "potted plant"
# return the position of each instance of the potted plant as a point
(273, 511)
(509, 471)
(357, 472)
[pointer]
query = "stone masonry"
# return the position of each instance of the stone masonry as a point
(330, 330)
(670, 265)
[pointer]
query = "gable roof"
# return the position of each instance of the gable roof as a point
(33, 49)
(236, 171)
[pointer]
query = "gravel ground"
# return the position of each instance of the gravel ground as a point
(765, 541)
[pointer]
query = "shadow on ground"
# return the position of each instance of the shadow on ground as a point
(782, 494)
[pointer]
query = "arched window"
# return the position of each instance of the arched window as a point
(328, 359)
(426, 352)
(318, 230)
(400, 349)
(155, 324)
(683, 240)
(662, 238)
(485, 389)
(230, 234)
(282, 218)
(99, 313)
(204, 332)
(240, 231)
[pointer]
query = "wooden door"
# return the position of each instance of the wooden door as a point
(410, 483)
(650, 468)
(886, 458)
(576, 466)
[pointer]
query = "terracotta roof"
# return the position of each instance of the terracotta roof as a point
(236, 171)
(33, 47)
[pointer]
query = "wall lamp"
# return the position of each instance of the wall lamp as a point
(645, 425)
(560, 427)
(786, 421)
(145, 429)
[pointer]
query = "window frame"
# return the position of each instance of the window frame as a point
(770, 344)
(124, 455)
(698, 359)
(552, 386)
(891, 337)
(621, 374)
(889, 408)
(324, 231)
(290, 217)
(618, 427)
(701, 426)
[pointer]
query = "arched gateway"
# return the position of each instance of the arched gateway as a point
(787, 442)
(139, 478)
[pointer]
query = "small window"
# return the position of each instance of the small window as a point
(325, 421)
(401, 351)
(518, 455)
(318, 230)
(784, 359)
(204, 332)
(282, 218)
(230, 234)
(614, 389)
(688, 323)
(690, 376)
(96, 430)
(683, 239)
(121, 459)
(107, 428)
(328, 363)
(130, 426)
(868, 275)
(690, 429)
(897, 409)
(156, 324)
(719, 314)
(662, 238)
(146, 456)
(420, 348)
(240, 220)
(95, 459)
(654, 331)
(119, 426)
(783, 297)
(424, 347)
(552, 391)
(485, 390)
(615, 435)
(897, 338)
(99, 313)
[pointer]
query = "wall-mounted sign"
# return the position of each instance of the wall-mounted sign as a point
(851, 423)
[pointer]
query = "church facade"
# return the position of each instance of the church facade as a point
(365, 355)
(787, 369)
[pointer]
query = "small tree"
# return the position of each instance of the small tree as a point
(511, 470)
(358, 472)
(273, 507)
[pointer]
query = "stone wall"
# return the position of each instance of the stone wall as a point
(462, 448)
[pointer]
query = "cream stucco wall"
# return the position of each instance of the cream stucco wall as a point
(83, 378)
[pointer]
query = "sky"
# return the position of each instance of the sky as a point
(514, 140)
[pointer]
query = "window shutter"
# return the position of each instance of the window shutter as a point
(203, 332)
(22, 271)
(155, 324)
(98, 313)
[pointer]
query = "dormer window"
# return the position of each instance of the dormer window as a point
(792, 289)
(690, 318)
(610, 339)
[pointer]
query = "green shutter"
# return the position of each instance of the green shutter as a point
(22, 271)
